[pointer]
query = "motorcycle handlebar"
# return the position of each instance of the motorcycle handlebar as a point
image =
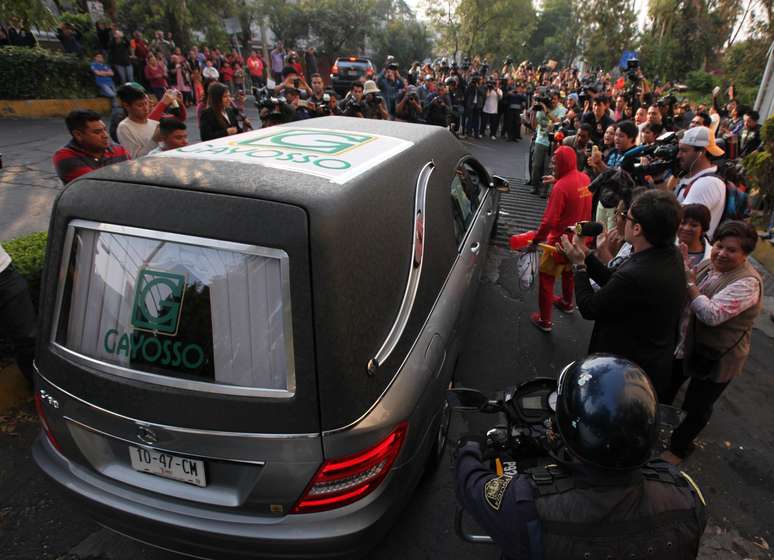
(464, 535)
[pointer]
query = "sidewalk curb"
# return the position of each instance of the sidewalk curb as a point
(14, 389)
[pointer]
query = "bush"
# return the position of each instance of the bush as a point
(700, 81)
(28, 254)
(41, 74)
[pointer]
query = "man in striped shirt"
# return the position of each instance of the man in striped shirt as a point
(89, 148)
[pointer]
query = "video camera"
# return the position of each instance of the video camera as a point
(632, 70)
(265, 100)
(663, 154)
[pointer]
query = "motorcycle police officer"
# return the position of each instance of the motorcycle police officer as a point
(606, 500)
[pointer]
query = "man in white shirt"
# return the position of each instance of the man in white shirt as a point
(701, 185)
(136, 133)
(491, 100)
(17, 314)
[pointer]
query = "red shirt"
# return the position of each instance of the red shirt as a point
(72, 161)
(226, 73)
(255, 66)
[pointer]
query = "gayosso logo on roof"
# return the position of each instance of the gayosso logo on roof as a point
(157, 306)
(327, 150)
(316, 141)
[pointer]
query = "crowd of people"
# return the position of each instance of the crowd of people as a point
(664, 275)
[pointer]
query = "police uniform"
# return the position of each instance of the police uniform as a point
(549, 514)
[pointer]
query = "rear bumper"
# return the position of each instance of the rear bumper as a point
(183, 527)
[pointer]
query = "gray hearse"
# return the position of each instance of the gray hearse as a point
(246, 343)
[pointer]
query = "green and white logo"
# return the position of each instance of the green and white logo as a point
(336, 155)
(158, 301)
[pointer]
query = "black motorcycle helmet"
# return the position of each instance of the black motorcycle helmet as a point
(607, 412)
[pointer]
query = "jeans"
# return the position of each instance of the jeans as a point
(107, 90)
(125, 73)
(493, 120)
(540, 160)
(17, 318)
(472, 122)
(698, 404)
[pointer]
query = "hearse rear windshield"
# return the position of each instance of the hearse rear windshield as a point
(177, 310)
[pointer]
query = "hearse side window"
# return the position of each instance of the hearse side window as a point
(467, 191)
(204, 314)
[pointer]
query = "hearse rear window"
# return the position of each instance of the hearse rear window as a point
(177, 310)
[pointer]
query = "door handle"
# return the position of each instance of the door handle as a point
(475, 248)
(489, 213)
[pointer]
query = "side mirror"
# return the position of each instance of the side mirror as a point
(501, 184)
(466, 399)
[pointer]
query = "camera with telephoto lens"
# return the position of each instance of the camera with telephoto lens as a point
(508, 60)
(264, 100)
(613, 185)
(392, 66)
(541, 102)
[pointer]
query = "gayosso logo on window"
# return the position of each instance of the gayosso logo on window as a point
(157, 306)
(158, 301)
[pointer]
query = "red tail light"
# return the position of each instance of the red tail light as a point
(44, 422)
(339, 482)
(334, 69)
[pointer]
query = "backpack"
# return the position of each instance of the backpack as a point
(737, 204)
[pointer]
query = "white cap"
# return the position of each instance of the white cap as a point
(702, 137)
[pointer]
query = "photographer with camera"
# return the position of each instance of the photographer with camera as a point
(390, 85)
(353, 104)
(438, 109)
(292, 79)
(598, 118)
(515, 102)
(474, 102)
(374, 105)
(322, 103)
(409, 109)
(492, 97)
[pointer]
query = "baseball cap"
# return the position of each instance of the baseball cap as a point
(702, 137)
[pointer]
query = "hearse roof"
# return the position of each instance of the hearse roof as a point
(316, 160)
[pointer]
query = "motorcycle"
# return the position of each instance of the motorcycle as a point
(524, 441)
(528, 438)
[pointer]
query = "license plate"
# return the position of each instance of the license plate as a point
(352, 72)
(168, 466)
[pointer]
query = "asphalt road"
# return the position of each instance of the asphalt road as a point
(734, 464)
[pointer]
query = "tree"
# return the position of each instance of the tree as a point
(32, 13)
(404, 38)
(608, 28)
(556, 34)
(289, 22)
(343, 25)
(491, 28)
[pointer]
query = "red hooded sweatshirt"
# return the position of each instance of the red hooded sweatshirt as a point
(570, 199)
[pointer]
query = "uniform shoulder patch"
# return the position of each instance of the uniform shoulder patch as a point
(494, 490)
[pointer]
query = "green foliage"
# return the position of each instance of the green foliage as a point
(759, 165)
(491, 28)
(290, 22)
(30, 12)
(700, 81)
(55, 76)
(342, 25)
(28, 254)
(744, 62)
(557, 32)
(405, 39)
(609, 27)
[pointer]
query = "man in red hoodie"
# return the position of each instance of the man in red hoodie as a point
(568, 204)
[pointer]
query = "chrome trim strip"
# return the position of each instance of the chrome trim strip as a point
(414, 274)
(160, 449)
(147, 377)
(176, 428)
(334, 431)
